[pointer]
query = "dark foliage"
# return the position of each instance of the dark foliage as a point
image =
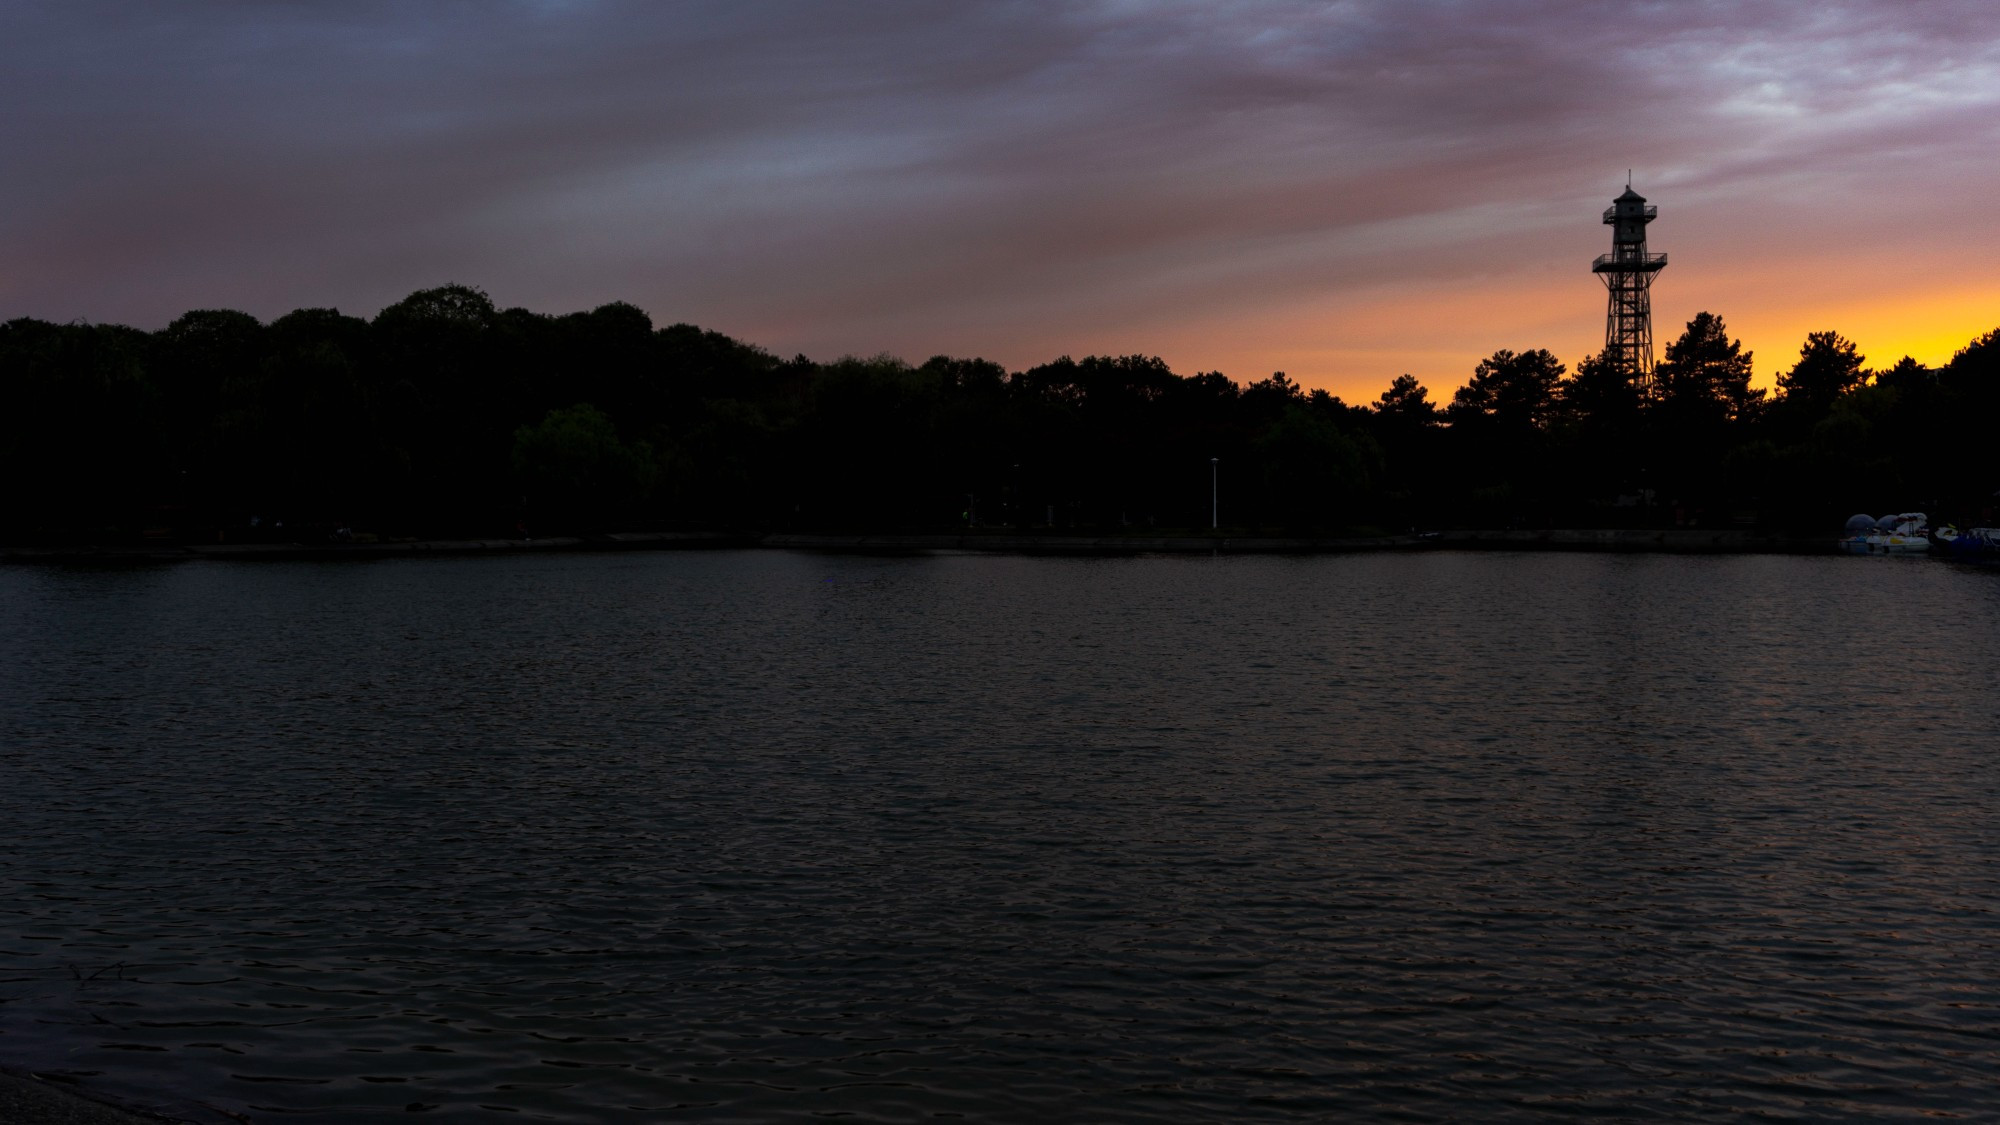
(445, 415)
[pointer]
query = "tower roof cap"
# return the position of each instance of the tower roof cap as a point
(1630, 196)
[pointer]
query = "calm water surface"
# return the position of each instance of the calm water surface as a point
(761, 836)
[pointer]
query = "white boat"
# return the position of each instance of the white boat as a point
(1905, 533)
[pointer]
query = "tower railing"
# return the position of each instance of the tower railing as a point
(1649, 212)
(1628, 263)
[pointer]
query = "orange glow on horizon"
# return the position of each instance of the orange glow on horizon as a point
(1356, 351)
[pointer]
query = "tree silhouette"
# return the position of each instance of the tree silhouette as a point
(1515, 391)
(1828, 367)
(1407, 403)
(1704, 377)
(440, 414)
(575, 470)
(1602, 395)
(1906, 372)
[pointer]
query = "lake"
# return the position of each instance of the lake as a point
(762, 836)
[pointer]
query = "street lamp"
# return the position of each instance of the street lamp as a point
(1214, 495)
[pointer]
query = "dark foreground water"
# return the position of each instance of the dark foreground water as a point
(758, 836)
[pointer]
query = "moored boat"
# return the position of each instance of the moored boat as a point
(1973, 544)
(1905, 533)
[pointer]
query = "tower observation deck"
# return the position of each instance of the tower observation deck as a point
(1628, 273)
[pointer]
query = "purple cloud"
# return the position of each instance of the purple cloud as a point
(1022, 179)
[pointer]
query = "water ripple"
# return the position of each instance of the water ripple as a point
(762, 836)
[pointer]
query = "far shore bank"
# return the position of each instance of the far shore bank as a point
(1632, 540)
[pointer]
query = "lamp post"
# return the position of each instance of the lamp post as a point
(1214, 494)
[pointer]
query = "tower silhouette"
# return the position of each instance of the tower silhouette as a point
(1628, 273)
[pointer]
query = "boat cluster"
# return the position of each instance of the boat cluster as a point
(1910, 533)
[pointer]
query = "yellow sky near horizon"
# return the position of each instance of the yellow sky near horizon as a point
(1441, 333)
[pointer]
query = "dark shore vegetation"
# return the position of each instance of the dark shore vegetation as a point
(447, 416)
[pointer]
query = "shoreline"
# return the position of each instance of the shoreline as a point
(1611, 540)
(1652, 541)
(28, 1098)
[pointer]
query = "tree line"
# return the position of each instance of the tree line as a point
(445, 415)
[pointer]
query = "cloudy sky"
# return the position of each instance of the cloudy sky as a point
(1341, 190)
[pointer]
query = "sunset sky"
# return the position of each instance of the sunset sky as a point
(1343, 191)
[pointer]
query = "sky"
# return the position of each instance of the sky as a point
(1344, 191)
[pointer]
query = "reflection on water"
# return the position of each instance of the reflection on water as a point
(757, 835)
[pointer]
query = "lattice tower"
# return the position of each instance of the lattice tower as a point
(1628, 273)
